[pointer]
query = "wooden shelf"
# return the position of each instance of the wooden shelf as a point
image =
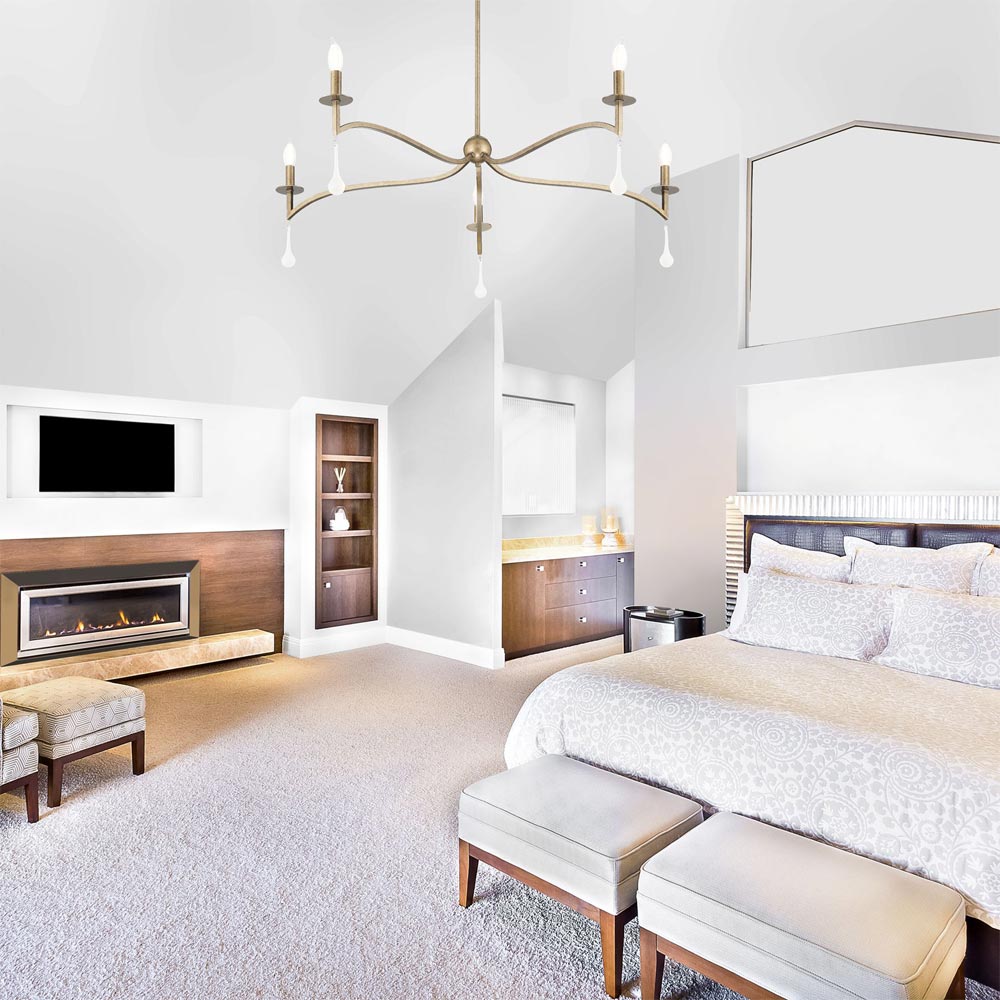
(347, 571)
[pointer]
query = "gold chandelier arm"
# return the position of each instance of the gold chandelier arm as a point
(393, 134)
(370, 185)
(586, 185)
(551, 138)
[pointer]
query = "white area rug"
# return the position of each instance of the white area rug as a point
(294, 836)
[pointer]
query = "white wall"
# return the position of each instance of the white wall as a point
(588, 397)
(907, 430)
(619, 437)
(687, 321)
(302, 638)
(444, 557)
(244, 450)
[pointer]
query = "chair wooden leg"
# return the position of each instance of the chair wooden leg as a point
(468, 867)
(612, 943)
(139, 753)
(651, 962)
(55, 782)
(957, 989)
(31, 797)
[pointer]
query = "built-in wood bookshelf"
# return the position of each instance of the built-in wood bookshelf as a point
(346, 561)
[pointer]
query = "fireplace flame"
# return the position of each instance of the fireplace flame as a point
(156, 617)
(80, 627)
(123, 618)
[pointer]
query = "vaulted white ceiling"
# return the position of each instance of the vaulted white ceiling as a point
(142, 142)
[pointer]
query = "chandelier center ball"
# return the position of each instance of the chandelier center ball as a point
(477, 148)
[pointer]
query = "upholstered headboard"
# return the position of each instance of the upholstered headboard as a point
(827, 534)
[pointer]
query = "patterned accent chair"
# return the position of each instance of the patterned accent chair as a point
(19, 755)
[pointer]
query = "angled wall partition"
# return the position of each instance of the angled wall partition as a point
(445, 514)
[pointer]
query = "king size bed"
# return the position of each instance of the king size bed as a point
(897, 766)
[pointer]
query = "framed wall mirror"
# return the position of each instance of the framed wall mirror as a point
(871, 225)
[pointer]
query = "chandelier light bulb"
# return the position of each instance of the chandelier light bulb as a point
(288, 258)
(618, 185)
(480, 292)
(336, 185)
(666, 258)
(666, 155)
(619, 58)
(335, 57)
(289, 155)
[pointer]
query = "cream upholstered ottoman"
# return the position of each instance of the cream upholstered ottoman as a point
(776, 916)
(574, 832)
(80, 716)
(19, 755)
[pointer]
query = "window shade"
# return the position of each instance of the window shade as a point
(539, 456)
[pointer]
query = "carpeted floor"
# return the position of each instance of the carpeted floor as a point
(293, 836)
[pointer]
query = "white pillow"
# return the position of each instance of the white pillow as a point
(988, 584)
(766, 553)
(952, 569)
(945, 635)
(814, 616)
(740, 608)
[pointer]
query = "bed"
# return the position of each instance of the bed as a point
(899, 767)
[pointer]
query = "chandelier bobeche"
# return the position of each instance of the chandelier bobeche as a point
(477, 151)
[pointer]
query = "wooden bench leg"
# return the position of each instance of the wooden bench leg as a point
(139, 753)
(55, 782)
(468, 867)
(612, 943)
(651, 965)
(31, 797)
(957, 989)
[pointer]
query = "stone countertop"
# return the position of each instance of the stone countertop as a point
(561, 552)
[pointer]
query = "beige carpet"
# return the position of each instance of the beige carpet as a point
(293, 836)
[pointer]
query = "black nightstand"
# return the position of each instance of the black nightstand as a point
(647, 625)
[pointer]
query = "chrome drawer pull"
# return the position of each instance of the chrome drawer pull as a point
(583, 619)
(539, 569)
(327, 585)
(621, 559)
(583, 591)
(583, 562)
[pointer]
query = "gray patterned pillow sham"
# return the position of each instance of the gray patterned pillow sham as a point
(953, 569)
(945, 635)
(766, 553)
(988, 584)
(814, 616)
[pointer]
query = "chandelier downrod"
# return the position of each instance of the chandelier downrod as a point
(477, 151)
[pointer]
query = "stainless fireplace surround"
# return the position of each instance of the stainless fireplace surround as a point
(26, 597)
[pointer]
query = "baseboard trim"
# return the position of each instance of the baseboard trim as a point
(478, 656)
(340, 640)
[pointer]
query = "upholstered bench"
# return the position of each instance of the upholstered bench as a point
(574, 832)
(80, 716)
(776, 916)
(19, 755)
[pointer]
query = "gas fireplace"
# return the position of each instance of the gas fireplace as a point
(55, 612)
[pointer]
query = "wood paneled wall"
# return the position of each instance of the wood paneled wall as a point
(242, 572)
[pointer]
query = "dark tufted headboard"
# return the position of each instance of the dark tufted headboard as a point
(827, 534)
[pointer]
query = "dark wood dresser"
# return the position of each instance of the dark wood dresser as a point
(550, 603)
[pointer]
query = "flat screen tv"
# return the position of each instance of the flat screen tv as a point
(89, 455)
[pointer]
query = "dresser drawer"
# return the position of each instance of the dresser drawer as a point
(581, 622)
(563, 595)
(582, 568)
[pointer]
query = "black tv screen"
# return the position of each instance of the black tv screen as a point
(86, 455)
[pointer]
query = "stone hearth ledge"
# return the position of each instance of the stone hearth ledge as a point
(114, 664)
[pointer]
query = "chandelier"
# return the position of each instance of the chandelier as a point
(479, 153)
